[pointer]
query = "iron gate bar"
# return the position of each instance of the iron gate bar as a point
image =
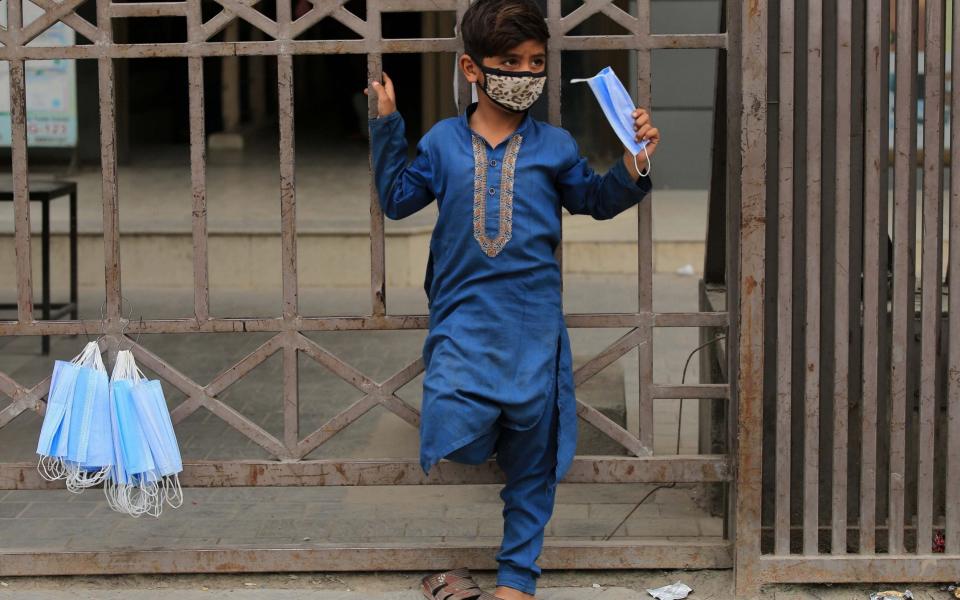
(108, 166)
(785, 289)
(853, 568)
(638, 25)
(749, 60)
(47, 19)
(953, 368)
(21, 195)
(556, 555)
(875, 234)
(908, 555)
(364, 323)
(289, 327)
(125, 10)
(198, 171)
(842, 270)
(418, 5)
(77, 23)
(314, 16)
(645, 242)
(296, 47)
(216, 24)
(352, 472)
(932, 264)
(608, 356)
(903, 242)
(587, 9)
(812, 251)
(245, 11)
(378, 281)
(376, 393)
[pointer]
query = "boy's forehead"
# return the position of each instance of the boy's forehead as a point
(530, 47)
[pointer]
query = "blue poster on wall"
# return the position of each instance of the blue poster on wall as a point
(51, 88)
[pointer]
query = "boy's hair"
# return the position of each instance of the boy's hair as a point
(491, 27)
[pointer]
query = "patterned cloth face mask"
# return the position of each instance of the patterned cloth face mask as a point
(515, 91)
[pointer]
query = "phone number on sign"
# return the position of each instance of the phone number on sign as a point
(34, 127)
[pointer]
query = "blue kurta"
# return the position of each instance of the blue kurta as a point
(497, 350)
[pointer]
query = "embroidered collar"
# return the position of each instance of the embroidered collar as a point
(524, 123)
(492, 247)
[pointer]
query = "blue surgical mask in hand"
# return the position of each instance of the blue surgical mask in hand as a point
(618, 107)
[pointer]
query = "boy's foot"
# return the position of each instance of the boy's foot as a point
(456, 584)
(509, 593)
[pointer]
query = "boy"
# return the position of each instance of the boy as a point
(498, 363)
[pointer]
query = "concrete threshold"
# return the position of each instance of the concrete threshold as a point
(328, 258)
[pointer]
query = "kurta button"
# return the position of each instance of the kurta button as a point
(492, 191)
(493, 163)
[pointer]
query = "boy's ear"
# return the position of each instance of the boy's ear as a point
(469, 68)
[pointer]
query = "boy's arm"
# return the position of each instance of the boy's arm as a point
(403, 189)
(585, 192)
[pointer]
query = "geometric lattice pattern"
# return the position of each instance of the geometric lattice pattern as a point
(282, 31)
(283, 38)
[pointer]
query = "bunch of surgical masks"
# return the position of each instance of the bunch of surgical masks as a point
(114, 431)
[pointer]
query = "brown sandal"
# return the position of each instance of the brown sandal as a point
(457, 584)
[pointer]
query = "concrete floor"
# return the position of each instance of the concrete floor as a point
(553, 585)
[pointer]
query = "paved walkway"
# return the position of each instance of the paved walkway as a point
(553, 585)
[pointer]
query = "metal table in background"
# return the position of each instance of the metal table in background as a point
(44, 192)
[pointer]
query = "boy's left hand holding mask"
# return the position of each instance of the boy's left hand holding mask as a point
(644, 129)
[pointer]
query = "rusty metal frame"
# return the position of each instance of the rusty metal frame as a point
(289, 466)
(820, 551)
(867, 529)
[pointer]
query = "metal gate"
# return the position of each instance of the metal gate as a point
(848, 465)
(836, 477)
(290, 468)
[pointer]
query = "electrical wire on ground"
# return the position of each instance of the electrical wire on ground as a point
(683, 380)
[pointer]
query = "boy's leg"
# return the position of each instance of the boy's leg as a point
(477, 451)
(528, 458)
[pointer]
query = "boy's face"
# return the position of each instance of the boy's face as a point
(513, 93)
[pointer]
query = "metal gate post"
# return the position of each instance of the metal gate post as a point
(747, 315)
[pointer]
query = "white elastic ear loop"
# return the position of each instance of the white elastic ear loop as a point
(149, 499)
(136, 374)
(637, 165)
(51, 468)
(117, 372)
(146, 497)
(119, 497)
(98, 361)
(172, 491)
(85, 353)
(73, 478)
(107, 485)
(115, 493)
(83, 479)
(123, 359)
(131, 501)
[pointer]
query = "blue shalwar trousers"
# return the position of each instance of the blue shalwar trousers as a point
(528, 459)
